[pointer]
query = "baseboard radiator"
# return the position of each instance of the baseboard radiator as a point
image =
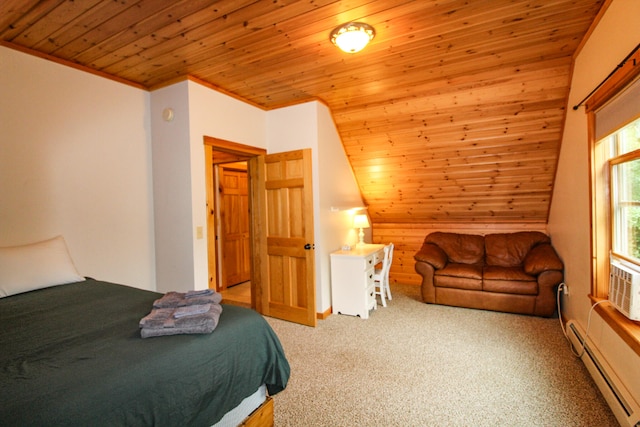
(622, 404)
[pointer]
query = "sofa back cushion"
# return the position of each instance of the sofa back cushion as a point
(510, 249)
(460, 248)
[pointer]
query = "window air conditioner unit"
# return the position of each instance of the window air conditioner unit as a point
(624, 288)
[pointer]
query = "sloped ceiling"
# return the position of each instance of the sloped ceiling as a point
(453, 113)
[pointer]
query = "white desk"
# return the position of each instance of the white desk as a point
(352, 286)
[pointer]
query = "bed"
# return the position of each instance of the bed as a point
(72, 354)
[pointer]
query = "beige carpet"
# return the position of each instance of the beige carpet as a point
(413, 364)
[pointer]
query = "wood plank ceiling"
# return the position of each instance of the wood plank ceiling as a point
(453, 113)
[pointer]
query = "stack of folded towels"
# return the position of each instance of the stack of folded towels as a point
(193, 312)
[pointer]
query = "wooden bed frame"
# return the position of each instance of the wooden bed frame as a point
(262, 416)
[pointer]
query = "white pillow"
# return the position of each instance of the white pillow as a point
(34, 266)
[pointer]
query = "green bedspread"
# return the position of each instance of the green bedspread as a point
(72, 355)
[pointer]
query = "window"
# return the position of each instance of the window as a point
(614, 121)
(614, 135)
(625, 191)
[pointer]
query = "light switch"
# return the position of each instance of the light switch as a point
(199, 232)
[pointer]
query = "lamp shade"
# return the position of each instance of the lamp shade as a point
(352, 37)
(361, 221)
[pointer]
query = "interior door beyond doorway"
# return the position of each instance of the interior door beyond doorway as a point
(234, 222)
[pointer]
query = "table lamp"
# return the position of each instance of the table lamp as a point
(361, 221)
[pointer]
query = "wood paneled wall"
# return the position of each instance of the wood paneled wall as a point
(408, 239)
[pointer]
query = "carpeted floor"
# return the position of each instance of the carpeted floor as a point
(412, 364)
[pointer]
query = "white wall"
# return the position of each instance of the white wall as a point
(338, 189)
(569, 224)
(172, 189)
(75, 160)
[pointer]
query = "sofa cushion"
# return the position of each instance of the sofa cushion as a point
(460, 248)
(469, 271)
(510, 249)
(508, 280)
(459, 276)
(457, 283)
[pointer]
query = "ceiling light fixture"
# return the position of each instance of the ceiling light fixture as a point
(353, 36)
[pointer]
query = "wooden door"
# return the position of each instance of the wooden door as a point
(234, 216)
(283, 208)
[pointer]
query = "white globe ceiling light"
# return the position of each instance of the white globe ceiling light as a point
(353, 36)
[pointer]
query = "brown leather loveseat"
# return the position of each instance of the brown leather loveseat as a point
(510, 272)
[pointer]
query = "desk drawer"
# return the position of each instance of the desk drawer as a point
(369, 261)
(378, 257)
(371, 297)
(369, 278)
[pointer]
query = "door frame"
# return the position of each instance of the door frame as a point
(219, 151)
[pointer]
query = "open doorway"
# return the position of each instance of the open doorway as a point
(228, 220)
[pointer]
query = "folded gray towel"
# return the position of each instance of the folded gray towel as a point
(180, 299)
(191, 310)
(202, 292)
(157, 318)
(161, 321)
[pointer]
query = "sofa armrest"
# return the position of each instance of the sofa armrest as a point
(542, 258)
(427, 289)
(431, 254)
